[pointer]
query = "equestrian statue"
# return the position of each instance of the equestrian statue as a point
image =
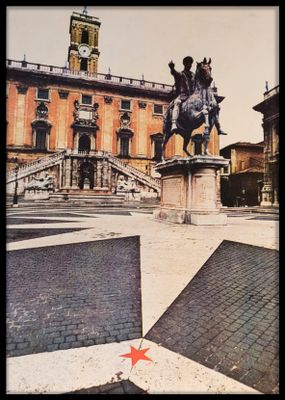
(194, 104)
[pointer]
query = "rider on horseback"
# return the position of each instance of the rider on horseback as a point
(184, 87)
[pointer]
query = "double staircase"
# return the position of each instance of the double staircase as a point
(46, 162)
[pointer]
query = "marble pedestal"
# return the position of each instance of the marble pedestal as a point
(190, 190)
(37, 194)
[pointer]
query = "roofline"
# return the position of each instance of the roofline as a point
(243, 144)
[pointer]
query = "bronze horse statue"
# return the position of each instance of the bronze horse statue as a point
(199, 108)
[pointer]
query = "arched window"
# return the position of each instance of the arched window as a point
(83, 64)
(85, 37)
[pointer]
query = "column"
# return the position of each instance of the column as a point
(99, 174)
(109, 176)
(67, 173)
(105, 173)
(142, 132)
(74, 174)
(19, 127)
(107, 126)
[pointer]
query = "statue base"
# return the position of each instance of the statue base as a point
(37, 194)
(190, 190)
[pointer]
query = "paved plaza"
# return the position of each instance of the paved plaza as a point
(86, 284)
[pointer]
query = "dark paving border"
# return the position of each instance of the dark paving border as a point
(227, 317)
(15, 235)
(74, 295)
(18, 221)
(267, 218)
(122, 387)
(126, 213)
(46, 214)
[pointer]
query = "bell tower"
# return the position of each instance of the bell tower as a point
(83, 49)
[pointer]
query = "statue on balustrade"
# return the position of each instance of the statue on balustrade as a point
(46, 181)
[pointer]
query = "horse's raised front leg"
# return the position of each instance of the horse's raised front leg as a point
(185, 144)
(166, 137)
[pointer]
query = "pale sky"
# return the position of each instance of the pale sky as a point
(242, 42)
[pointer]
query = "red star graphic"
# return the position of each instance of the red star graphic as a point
(137, 355)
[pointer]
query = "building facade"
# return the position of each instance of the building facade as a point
(269, 107)
(85, 122)
(241, 181)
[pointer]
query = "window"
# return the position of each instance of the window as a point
(84, 143)
(86, 99)
(85, 37)
(43, 94)
(41, 138)
(242, 165)
(158, 109)
(83, 64)
(157, 150)
(156, 143)
(125, 105)
(124, 147)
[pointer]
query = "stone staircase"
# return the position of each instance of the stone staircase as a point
(132, 172)
(46, 162)
(35, 166)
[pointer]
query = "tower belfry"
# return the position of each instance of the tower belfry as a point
(83, 50)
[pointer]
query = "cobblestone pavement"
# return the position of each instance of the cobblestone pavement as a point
(14, 235)
(122, 387)
(227, 317)
(69, 296)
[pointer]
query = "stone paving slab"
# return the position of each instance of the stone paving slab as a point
(122, 387)
(15, 235)
(62, 297)
(227, 317)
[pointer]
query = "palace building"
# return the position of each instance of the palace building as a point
(86, 129)
(269, 107)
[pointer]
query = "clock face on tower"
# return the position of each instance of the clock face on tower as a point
(84, 50)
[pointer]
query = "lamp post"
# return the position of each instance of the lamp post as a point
(15, 197)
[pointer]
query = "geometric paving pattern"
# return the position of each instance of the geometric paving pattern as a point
(122, 387)
(75, 295)
(16, 221)
(266, 218)
(39, 220)
(227, 317)
(15, 234)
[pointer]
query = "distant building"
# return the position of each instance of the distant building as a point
(241, 181)
(269, 107)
